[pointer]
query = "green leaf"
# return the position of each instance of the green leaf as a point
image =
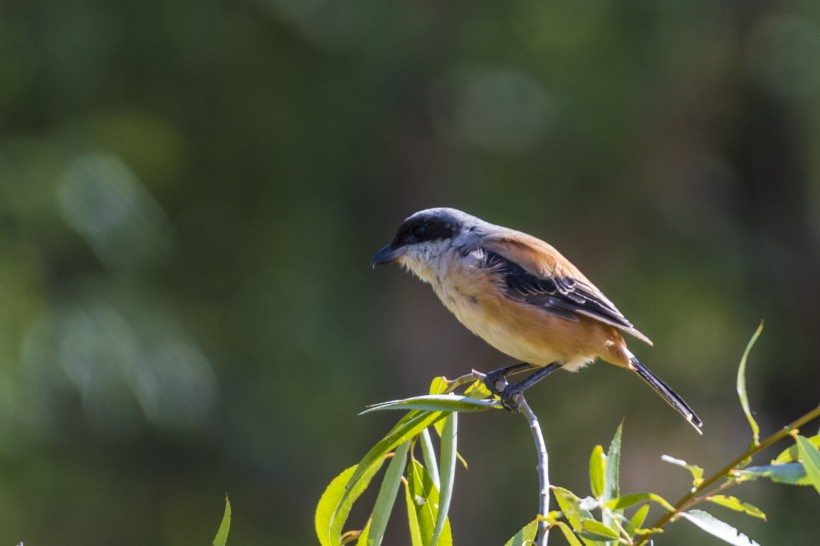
(718, 528)
(408, 427)
(412, 516)
(478, 390)
(570, 505)
(438, 385)
(338, 499)
(429, 455)
(449, 438)
(437, 402)
(810, 456)
(363, 538)
(597, 468)
(790, 453)
(221, 537)
(611, 477)
(568, 534)
(638, 518)
(788, 473)
(525, 534)
(597, 531)
(336, 502)
(425, 498)
(613, 463)
(328, 505)
(387, 495)
(734, 503)
(634, 498)
(695, 470)
(741, 386)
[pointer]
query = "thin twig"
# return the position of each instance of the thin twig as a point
(543, 469)
(474, 375)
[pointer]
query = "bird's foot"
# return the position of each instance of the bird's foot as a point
(496, 382)
(511, 398)
(510, 395)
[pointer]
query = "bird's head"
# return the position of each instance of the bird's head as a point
(424, 237)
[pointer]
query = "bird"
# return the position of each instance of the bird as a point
(522, 296)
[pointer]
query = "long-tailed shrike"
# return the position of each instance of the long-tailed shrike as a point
(520, 295)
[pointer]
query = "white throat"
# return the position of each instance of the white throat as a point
(430, 261)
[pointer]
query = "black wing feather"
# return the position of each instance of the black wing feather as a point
(564, 296)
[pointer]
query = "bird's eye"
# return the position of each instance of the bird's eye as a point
(420, 231)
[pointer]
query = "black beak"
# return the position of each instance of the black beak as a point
(386, 255)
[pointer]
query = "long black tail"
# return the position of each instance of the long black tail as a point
(671, 397)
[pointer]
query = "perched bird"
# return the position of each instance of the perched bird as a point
(521, 296)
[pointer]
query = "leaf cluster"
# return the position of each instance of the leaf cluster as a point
(598, 518)
(427, 483)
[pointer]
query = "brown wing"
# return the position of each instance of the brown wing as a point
(536, 273)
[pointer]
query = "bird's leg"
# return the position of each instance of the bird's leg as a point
(496, 380)
(510, 392)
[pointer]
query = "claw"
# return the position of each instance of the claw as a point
(496, 384)
(510, 398)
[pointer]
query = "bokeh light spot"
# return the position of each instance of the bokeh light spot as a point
(102, 199)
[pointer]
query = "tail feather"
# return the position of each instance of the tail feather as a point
(671, 397)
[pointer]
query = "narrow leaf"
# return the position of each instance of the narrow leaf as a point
(810, 456)
(221, 537)
(438, 385)
(734, 503)
(741, 386)
(426, 499)
(437, 402)
(788, 473)
(639, 517)
(570, 505)
(478, 390)
(338, 499)
(362, 539)
(408, 427)
(613, 462)
(429, 455)
(412, 516)
(449, 438)
(597, 468)
(790, 453)
(611, 477)
(387, 495)
(695, 470)
(634, 498)
(568, 534)
(525, 535)
(328, 504)
(718, 528)
(597, 531)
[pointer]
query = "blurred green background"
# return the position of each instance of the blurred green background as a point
(191, 191)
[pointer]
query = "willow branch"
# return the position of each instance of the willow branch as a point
(687, 500)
